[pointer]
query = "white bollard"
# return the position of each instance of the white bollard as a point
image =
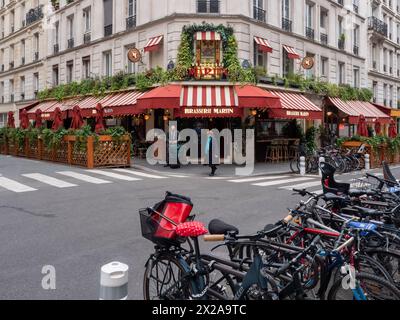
(367, 162)
(321, 159)
(302, 166)
(114, 281)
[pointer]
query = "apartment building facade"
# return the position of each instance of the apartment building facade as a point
(384, 52)
(90, 38)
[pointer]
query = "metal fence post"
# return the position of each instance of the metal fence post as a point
(302, 166)
(367, 162)
(114, 281)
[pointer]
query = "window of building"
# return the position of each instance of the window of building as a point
(208, 6)
(11, 90)
(323, 18)
(86, 72)
(22, 87)
(356, 77)
(258, 10)
(70, 71)
(55, 76)
(341, 73)
(131, 8)
(3, 120)
(356, 39)
(70, 26)
(287, 64)
(36, 83)
(22, 52)
(130, 66)
(108, 17)
(375, 91)
(107, 63)
(87, 17)
(260, 57)
(324, 67)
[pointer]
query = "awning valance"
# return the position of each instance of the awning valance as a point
(395, 113)
(208, 35)
(263, 44)
(153, 43)
(292, 54)
(295, 106)
(209, 96)
(354, 109)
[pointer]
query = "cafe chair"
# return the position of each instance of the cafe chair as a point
(273, 152)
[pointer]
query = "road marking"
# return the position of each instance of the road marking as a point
(14, 186)
(177, 176)
(114, 175)
(302, 186)
(49, 180)
(274, 183)
(215, 178)
(257, 179)
(140, 174)
(83, 177)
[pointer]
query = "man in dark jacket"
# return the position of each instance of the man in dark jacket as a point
(212, 156)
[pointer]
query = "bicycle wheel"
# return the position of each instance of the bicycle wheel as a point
(373, 288)
(295, 165)
(222, 284)
(164, 280)
(390, 260)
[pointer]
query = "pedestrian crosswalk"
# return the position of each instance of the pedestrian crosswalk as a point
(29, 182)
(280, 182)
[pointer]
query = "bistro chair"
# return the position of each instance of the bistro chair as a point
(284, 150)
(273, 152)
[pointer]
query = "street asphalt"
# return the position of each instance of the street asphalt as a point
(77, 226)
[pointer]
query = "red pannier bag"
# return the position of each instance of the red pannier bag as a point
(175, 207)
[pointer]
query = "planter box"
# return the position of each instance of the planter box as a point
(352, 144)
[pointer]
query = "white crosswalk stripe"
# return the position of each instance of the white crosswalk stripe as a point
(278, 182)
(301, 186)
(254, 179)
(114, 175)
(83, 177)
(140, 174)
(49, 180)
(14, 186)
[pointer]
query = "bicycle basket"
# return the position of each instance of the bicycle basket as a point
(152, 229)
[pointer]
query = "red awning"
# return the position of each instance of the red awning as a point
(295, 106)
(43, 106)
(263, 44)
(354, 109)
(292, 54)
(255, 97)
(153, 43)
(121, 104)
(208, 35)
(166, 97)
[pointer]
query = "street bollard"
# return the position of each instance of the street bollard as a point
(114, 281)
(321, 159)
(367, 162)
(302, 166)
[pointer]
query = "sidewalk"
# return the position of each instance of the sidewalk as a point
(260, 169)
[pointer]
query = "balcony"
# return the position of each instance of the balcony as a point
(287, 24)
(310, 33)
(108, 30)
(130, 22)
(355, 8)
(34, 15)
(56, 48)
(70, 43)
(259, 14)
(356, 50)
(87, 37)
(324, 38)
(377, 26)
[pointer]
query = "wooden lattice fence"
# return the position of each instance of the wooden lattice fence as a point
(103, 151)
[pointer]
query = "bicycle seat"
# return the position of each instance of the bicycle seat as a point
(191, 229)
(217, 226)
(368, 212)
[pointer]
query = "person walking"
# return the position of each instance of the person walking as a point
(212, 156)
(172, 151)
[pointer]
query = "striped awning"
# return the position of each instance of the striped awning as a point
(354, 109)
(209, 96)
(208, 35)
(153, 43)
(263, 44)
(295, 106)
(292, 54)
